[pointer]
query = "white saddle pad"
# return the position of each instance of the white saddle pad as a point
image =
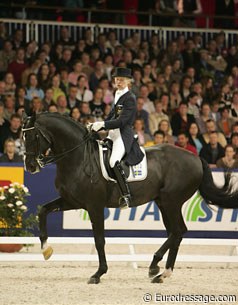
(137, 172)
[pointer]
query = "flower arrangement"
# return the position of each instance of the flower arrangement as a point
(13, 222)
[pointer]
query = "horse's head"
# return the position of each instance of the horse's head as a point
(37, 143)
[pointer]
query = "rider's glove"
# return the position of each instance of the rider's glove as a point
(97, 126)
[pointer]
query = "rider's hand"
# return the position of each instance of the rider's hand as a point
(97, 126)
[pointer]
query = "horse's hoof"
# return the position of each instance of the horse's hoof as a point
(94, 280)
(157, 279)
(154, 271)
(47, 252)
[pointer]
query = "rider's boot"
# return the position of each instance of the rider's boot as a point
(125, 199)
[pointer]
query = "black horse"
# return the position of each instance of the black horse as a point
(173, 176)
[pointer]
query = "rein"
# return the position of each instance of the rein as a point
(44, 160)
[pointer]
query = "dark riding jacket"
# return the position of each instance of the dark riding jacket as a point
(122, 116)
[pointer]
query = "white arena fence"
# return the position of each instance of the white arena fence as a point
(230, 244)
(42, 31)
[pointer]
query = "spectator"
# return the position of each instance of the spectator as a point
(208, 91)
(213, 151)
(181, 120)
(159, 137)
(160, 84)
(96, 105)
(7, 55)
(77, 71)
(164, 126)
(193, 107)
(57, 90)
(83, 94)
(85, 111)
(72, 100)
(234, 105)
(185, 88)
(10, 84)
(11, 131)
(224, 8)
(183, 142)
(194, 137)
(102, 46)
(204, 116)
(107, 92)
(75, 114)
(112, 41)
(108, 66)
(44, 77)
(62, 105)
(21, 100)
(37, 105)
(2, 91)
(65, 40)
(174, 97)
(228, 161)
(148, 104)
(215, 111)
(189, 7)
(225, 123)
(18, 40)
(9, 155)
(33, 68)
(52, 108)
(234, 142)
(190, 56)
(17, 66)
(142, 114)
(64, 79)
(204, 68)
(137, 81)
(66, 61)
(211, 128)
(96, 75)
(87, 69)
(79, 50)
(143, 137)
(157, 116)
(32, 88)
(9, 108)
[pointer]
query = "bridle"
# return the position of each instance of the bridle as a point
(41, 158)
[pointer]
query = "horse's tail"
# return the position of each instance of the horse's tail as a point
(223, 197)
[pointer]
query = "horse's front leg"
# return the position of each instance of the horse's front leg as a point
(55, 205)
(97, 220)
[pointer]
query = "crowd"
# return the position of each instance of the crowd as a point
(187, 94)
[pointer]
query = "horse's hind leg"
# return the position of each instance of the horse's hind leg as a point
(175, 225)
(158, 256)
(55, 205)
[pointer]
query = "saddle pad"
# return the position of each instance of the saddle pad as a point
(137, 172)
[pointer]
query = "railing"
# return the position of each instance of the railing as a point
(42, 31)
(230, 244)
(91, 12)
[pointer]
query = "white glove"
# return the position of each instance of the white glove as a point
(97, 126)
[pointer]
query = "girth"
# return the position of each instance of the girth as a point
(107, 151)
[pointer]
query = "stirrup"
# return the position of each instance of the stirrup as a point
(124, 202)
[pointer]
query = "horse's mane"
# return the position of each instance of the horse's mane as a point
(65, 118)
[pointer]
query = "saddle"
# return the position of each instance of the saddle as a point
(133, 173)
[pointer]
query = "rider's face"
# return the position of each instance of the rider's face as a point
(121, 82)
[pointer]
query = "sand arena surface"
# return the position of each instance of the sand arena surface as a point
(65, 283)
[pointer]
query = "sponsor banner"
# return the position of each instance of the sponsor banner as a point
(198, 216)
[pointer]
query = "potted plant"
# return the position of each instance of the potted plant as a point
(13, 219)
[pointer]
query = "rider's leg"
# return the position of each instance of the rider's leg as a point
(118, 151)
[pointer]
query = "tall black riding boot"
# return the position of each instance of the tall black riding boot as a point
(125, 199)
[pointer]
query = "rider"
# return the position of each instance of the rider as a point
(119, 123)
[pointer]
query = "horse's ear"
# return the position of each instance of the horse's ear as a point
(24, 116)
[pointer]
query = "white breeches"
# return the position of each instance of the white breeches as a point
(118, 148)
